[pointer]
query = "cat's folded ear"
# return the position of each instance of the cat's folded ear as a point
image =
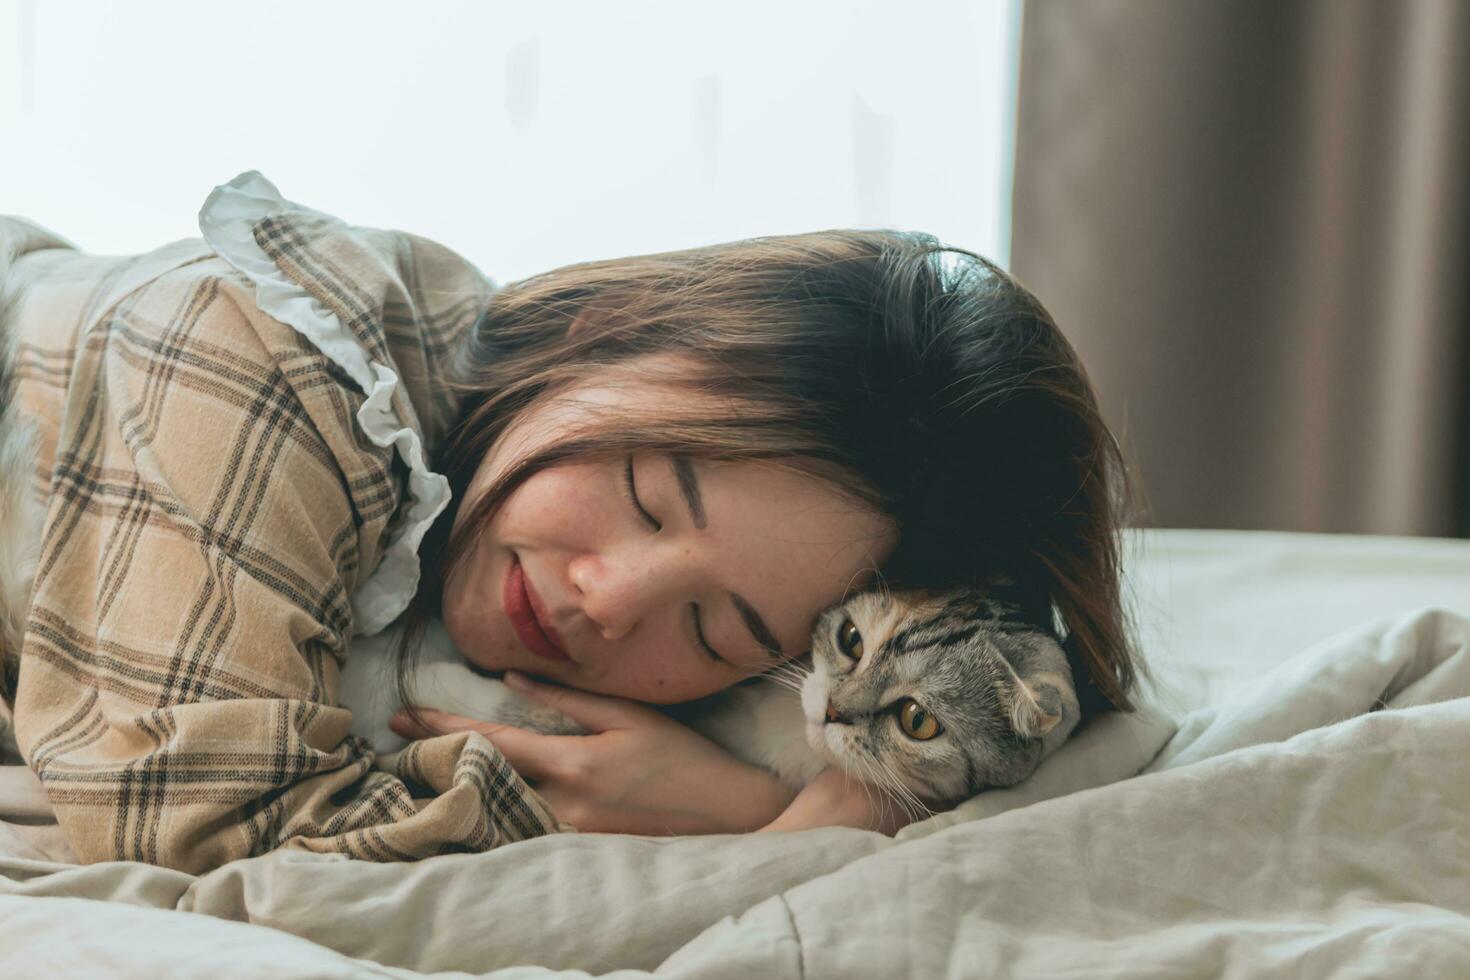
(1037, 709)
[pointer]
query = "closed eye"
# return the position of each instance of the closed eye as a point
(699, 637)
(631, 492)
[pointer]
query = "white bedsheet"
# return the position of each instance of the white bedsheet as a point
(1217, 608)
(1311, 816)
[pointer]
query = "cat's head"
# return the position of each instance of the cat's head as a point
(946, 692)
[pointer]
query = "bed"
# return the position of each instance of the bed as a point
(1292, 800)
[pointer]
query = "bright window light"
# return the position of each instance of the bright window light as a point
(523, 135)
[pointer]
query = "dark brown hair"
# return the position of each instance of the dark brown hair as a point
(917, 380)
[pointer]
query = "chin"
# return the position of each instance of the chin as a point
(490, 656)
(821, 740)
(668, 696)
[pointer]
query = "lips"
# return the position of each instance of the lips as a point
(527, 615)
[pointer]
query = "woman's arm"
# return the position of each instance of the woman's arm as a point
(637, 772)
(212, 509)
(834, 800)
(641, 772)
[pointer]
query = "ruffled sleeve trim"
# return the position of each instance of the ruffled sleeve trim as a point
(227, 222)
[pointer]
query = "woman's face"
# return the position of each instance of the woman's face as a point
(569, 559)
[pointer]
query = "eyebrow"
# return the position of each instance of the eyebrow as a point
(757, 626)
(689, 490)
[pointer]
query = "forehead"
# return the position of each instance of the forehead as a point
(758, 505)
(916, 635)
(654, 384)
(668, 380)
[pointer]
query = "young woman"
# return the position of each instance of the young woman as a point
(639, 480)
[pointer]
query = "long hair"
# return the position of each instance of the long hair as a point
(917, 380)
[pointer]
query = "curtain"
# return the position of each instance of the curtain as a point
(1253, 221)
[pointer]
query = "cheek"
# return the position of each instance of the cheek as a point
(665, 690)
(931, 770)
(657, 676)
(551, 504)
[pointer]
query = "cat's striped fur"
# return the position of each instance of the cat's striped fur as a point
(995, 680)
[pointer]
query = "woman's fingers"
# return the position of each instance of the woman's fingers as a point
(410, 727)
(529, 753)
(594, 712)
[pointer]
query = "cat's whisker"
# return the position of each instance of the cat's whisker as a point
(848, 590)
(763, 675)
(786, 668)
(885, 798)
(788, 680)
(891, 793)
(782, 672)
(877, 799)
(857, 761)
(914, 807)
(887, 781)
(919, 810)
(883, 588)
(787, 675)
(885, 787)
(793, 688)
(881, 582)
(875, 777)
(794, 666)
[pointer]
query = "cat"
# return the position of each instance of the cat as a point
(934, 696)
(937, 695)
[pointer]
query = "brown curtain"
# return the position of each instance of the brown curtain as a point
(1253, 220)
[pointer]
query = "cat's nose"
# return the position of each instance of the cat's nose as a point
(832, 715)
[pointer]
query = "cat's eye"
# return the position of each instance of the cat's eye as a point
(849, 640)
(916, 721)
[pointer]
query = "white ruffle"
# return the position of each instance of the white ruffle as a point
(226, 221)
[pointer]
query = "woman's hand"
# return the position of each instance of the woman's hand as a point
(834, 799)
(637, 772)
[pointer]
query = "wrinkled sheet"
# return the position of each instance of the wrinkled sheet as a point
(1310, 815)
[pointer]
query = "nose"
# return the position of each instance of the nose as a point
(615, 591)
(833, 716)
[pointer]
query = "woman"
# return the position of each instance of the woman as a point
(649, 476)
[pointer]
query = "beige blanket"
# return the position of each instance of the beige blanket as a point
(1313, 824)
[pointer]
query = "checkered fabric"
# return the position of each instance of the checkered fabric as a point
(210, 503)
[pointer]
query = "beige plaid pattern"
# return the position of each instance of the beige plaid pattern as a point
(210, 505)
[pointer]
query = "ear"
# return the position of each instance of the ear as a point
(1036, 711)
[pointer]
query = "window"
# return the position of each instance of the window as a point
(523, 135)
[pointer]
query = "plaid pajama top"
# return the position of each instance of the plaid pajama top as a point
(214, 515)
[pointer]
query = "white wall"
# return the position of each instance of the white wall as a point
(524, 135)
